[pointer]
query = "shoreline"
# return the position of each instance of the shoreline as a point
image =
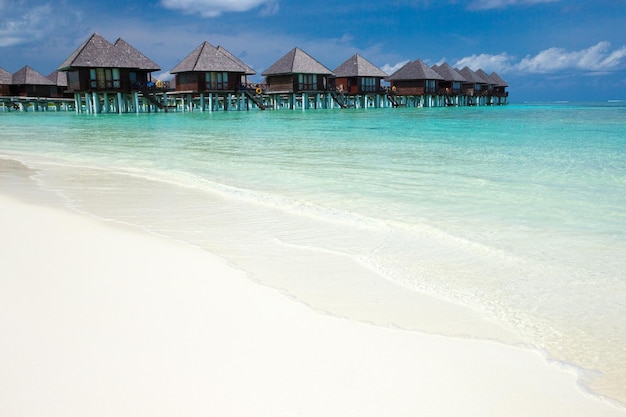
(104, 319)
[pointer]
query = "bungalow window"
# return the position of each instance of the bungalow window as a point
(430, 86)
(186, 78)
(101, 78)
(307, 82)
(368, 84)
(217, 80)
(73, 80)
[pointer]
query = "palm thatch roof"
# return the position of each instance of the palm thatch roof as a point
(97, 52)
(484, 76)
(415, 70)
(249, 69)
(28, 76)
(471, 77)
(497, 80)
(135, 59)
(357, 66)
(448, 73)
(297, 61)
(5, 77)
(207, 58)
(59, 78)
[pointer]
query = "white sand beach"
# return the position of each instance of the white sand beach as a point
(99, 319)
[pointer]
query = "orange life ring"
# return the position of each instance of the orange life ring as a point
(259, 90)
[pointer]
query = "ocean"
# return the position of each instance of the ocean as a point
(512, 216)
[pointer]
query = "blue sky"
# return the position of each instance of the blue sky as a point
(547, 50)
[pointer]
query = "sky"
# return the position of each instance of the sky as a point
(546, 50)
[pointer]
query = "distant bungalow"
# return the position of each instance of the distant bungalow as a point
(29, 83)
(213, 74)
(6, 79)
(450, 86)
(358, 76)
(109, 76)
(27, 88)
(499, 88)
(415, 84)
(115, 77)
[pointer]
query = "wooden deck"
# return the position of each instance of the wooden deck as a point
(8, 103)
(187, 101)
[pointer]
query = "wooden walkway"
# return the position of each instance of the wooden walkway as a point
(188, 101)
(35, 104)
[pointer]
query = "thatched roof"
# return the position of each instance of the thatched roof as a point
(448, 73)
(28, 76)
(497, 80)
(207, 58)
(249, 69)
(296, 61)
(357, 66)
(135, 59)
(97, 52)
(59, 78)
(415, 70)
(5, 77)
(484, 76)
(471, 77)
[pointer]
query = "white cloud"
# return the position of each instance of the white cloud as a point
(597, 58)
(501, 4)
(391, 68)
(21, 23)
(213, 8)
(499, 63)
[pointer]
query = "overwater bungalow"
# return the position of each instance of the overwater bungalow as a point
(358, 76)
(473, 87)
(26, 82)
(100, 76)
(297, 80)
(450, 86)
(106, 76)
(415, 84)
(358, 82)
(499, 90)
(26, 90)
(6, 79)
(60, 81)
(487, 86)
(214, 78)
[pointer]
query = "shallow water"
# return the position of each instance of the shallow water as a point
(512, 216)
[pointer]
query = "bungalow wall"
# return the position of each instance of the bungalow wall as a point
(208, 81)
(5, 90)
(450, 88)
(280, 83)
(357, 85)
(409, 87)
(106, 79)
(29, 90)
(499, 91)
(347, 84)
(296, 83)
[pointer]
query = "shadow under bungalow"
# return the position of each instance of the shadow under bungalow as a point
(105, 77)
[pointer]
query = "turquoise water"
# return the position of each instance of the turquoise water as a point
(516, 212)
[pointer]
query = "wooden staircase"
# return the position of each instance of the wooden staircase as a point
(392, 98)
(339, 98)
(256, 99)
(153, 99)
